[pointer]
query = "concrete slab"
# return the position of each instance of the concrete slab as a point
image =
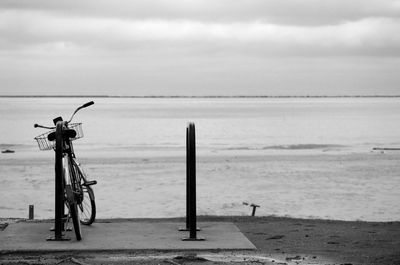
(116, 236)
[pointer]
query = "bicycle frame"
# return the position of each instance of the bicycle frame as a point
(68, 181)
(65, 179)
(71, 176)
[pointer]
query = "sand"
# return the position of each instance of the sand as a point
(313, 189)
(278, 241)
(339, 241)
(349, 186)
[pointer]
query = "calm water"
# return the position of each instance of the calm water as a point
(221, 124)
(151, 128)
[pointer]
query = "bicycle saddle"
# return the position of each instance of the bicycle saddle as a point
(67, 133)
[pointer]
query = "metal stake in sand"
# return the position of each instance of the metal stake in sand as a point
(254, 208)
(31, 212)
(191, 184)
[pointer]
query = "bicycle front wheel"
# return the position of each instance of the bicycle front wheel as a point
(86, 204)
(87, 207)
(73, 210)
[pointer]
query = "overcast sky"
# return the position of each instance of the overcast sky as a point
(200, 47)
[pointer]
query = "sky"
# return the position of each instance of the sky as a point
(200, 47)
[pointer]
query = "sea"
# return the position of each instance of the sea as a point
(151, 127)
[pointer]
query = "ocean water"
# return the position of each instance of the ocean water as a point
(142, 129)
(221, 124)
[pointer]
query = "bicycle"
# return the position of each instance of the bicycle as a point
(73, 190)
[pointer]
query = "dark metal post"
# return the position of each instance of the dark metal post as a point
(191, 183)
(187, 225)
(254, 208)
(59, 200)
(187, 181)
(31, 212)
(59, 191)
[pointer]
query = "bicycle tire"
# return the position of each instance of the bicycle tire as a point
(71, 198)
(87, 207)
(73, 210)
(87, 204)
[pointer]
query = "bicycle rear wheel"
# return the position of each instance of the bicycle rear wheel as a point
(87, 207)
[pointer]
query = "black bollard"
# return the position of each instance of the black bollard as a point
(191, 222)
(187, 225)
(187, 181)
(31, 212)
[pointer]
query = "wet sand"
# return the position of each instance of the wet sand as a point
(338, 186)
(278, 241)
(342, 242)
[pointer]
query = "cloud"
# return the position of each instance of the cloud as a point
(294, 12)
(200, 46)
(368, 36)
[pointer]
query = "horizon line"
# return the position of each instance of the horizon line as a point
(204, 96)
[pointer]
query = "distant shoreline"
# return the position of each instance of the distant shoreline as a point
(209, 96)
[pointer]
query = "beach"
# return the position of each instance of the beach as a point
(279, 240)
(326, 194)
(360, 186)
(289, 110)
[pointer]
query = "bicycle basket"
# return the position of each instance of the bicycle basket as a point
(78, 128)
(45, 144)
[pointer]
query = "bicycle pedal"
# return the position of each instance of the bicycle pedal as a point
(89, 183)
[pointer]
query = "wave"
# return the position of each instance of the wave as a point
(6, 145)
(290, 147)
(303, 146)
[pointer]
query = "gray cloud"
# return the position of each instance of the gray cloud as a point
(43, 30)
(200, 47)
(295, 12)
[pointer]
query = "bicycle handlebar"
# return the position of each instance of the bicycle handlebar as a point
(72, 116)
(81, 107)
(87, 104)
(44, 127)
